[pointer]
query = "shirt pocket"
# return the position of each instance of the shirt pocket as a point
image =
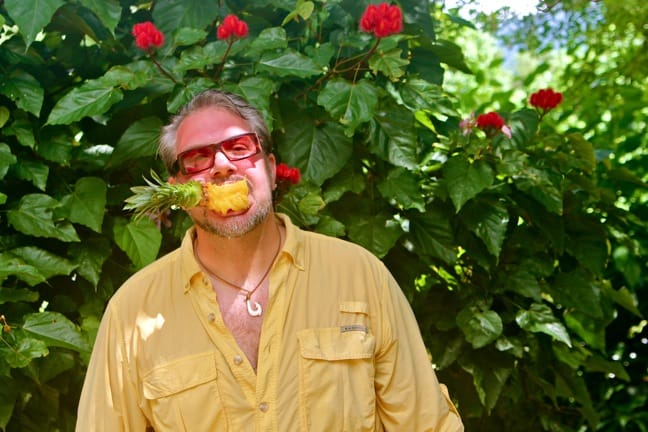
(183, 395)
(336, 379)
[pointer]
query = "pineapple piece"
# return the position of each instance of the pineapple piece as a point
(225, 197)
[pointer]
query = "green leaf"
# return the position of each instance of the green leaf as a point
(480, 327)
(490, 373)
(5, 114)
(464, 180)
(189, 36)
(289, 63)
(575, 290)
(6, 159)
(140, 239)
(331, 227)
(139, 140)
(350, 103)
(451, 54)
(318, 151)
(33, 171)
(537, 184)
(84, 101)
(488, 220)
(393, 137)
(86, 205)
(540, 319)
(390, 63)
(270, 39)
(34, 216)
(590, 329)
(199, 57)
(377, 233)
(32, 15)
(10, 265)
(170, 15)
(55, 329)
(23, 352)
(24, 90)
(599, 364)
(624, 298)
(257, 90)
(403, 187)
(108, 11)
(418, 94)
(89, 257)
(16, 295)
(46, 262)
(432, 235)
(8, 395)
(523, 282)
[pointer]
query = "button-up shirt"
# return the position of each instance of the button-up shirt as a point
(340, 350)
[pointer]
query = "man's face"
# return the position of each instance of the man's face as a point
(212, 125)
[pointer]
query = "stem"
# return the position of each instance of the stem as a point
(222, 62)
(164, 71)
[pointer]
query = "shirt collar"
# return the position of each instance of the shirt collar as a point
(293, 250)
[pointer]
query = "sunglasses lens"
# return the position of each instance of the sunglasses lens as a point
(240, 147)
(202, 158)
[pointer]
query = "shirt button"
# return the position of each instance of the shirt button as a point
(263, 407)
(238, 360)
(211, 317)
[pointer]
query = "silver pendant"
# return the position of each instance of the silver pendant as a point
(253, 311)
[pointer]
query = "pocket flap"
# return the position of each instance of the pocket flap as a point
(334, 344)
(179, 375)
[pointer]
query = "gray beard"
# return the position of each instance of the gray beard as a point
(232, 228)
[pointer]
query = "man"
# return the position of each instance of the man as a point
(253, 324)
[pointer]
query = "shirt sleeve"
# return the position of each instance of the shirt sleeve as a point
(409, 396)
(108, 399)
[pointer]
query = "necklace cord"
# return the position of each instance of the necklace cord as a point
(248, 293)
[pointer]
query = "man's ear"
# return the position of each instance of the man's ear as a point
(272, 169)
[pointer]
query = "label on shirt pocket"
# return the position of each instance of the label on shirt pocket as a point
(336, 379)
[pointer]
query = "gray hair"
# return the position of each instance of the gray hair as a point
(218, 99)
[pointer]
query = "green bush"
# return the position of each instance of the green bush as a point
(504, 246)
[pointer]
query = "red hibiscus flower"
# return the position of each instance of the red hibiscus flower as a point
(545, 99)
(232, 27)
(147, 36)
(287, 174)
(492, 123)
(382, 20)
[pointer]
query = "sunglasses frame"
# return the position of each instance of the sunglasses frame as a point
(218, 147)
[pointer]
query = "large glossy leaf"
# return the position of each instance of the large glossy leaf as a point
(34, 216)
(24, 90)
(490, 372)
(170, 15)
(350, 103)
(289, 63)
(480, 327)
(199, 57)
(84, 101)
(10, 265)
(86, 204)
(139, 140)
(33, 171)
(108, 11)
(23, 351)
(32, 15)
(318, 151)
(392, 136)
(6, 159)
(540, 319)
(378, 233)
(403, 187)
(578, 291)
(55, 329)
(89, 257)
(15, 295)
(538, 185)
(432, 235)
(47, 263)
(418, 94)
(465, 180)
(488, 220)
(140, 240)
(273, 38)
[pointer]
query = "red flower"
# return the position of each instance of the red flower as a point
(546, 99)
(147, 35)
(382, 20)
(492, 123)
(288, 174)
(232, 27)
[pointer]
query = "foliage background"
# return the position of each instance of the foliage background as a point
(524, 259)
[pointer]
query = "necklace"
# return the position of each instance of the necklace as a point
(256, 309)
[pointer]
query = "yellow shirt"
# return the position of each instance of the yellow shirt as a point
(340, 350)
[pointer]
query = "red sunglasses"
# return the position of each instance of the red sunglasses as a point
(202, 158)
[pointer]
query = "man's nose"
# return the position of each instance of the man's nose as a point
(222, 166)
